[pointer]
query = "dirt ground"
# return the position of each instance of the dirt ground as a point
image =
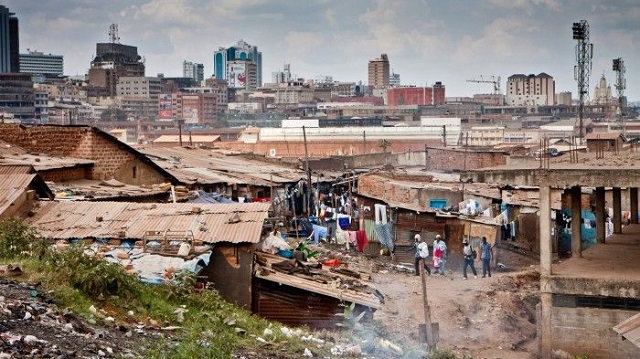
(484, 317)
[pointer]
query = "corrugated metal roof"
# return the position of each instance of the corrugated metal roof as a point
(233, 222)
(85, 189)
(630, 329)
(6, 169)
(206, 166)
(602, 136)
(11, 187)
(186, 138)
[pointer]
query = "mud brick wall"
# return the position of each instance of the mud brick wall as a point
(454, 160)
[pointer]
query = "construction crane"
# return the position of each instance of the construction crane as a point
(494, 80)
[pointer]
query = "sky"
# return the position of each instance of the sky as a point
(451, 41)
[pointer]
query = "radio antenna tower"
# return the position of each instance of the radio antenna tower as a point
(621, 85)
(584, 54)
(113, 34)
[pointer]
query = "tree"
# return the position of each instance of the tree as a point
(384, 144)
(113, 114)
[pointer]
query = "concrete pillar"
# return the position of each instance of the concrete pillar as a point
(633, 199)
(617, 210)
(545, 334)
(600, 216)
(576, 221)
(545, 230)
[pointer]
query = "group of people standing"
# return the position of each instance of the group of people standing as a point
(422, 253)
(440, 256)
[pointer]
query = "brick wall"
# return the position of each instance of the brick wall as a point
(380, 187)
(587, 331)
(112, 158)
(454, 160)
(66, 174)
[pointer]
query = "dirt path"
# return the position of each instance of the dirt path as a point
(484, 317)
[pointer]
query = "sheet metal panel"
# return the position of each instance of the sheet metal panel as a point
(205, 165)
(630, 329)
(15, 169)
(11, 187)
(235, 222)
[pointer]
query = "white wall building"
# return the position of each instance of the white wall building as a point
(531, 90)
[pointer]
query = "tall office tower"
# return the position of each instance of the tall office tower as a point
(240, 65)
(35, 62)
(9, 41)
(379, 72)
(112, 61)
(193, 70)
(283, 76)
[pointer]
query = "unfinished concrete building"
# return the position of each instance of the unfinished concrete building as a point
(589, 302)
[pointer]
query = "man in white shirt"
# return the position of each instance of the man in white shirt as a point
(421, 253)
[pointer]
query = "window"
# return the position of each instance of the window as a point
(135, 171)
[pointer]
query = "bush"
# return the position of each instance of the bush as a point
(96, 278)
(18, 240)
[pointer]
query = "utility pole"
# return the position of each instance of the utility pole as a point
(306, 169)
(180, 121)
(364, 142)
(428, 326)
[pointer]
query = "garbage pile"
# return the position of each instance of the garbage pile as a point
(33, 326)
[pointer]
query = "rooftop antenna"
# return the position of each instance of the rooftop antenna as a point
(113, 34)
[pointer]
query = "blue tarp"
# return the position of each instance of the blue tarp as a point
(587, 231)
(206, 197)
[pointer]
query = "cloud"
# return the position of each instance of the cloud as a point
(527, 5)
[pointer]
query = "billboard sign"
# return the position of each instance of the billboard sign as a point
(237, 75)
(165, 109)
(190, 108)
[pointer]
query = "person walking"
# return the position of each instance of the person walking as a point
(421, 253)
(486, 253)
(439, 243)
(467, 253)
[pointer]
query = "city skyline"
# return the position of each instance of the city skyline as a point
(426, 41)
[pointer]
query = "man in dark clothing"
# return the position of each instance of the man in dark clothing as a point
(486, 253)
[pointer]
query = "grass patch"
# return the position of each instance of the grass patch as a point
(208, 326)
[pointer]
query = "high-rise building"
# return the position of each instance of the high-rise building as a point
(379, 72)
(283, 76)
(35, 62)
(193, 70)
(531, 90)
(17, 96)
(394, 80)
(9, 41)
(112, 61)
(240, 65)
